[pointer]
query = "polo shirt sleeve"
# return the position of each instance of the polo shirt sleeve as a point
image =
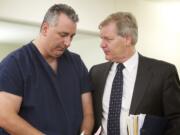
(10, 76)
(84, 78)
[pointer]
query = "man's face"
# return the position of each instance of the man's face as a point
(113, 45)
(58, 37)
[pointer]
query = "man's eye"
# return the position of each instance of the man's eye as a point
(63, 35)
(109, 39)
(72, 36)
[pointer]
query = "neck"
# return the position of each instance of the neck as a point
(128, 54)
(40, 43)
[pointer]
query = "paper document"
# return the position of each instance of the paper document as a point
(135, 123)
(141, 119)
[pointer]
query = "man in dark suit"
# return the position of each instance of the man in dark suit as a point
(150, 86)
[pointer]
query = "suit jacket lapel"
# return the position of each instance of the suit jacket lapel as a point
(142, 79)
(104, 74)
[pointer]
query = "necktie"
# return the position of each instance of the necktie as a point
(113, 125)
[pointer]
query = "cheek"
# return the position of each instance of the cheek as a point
(117, 50)
(114, 48)
(59, 39)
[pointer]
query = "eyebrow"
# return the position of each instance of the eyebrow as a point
(66, 33)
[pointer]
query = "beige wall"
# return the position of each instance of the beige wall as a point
(90, 11)
(5, 49)
(159, 31)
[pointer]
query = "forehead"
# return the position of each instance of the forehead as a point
(108, 29)
(65, 23)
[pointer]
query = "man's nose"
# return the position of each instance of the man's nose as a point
(103, 44)
(67, 41)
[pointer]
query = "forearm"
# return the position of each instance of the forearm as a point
(87, 124)
(15, 125)
(88, 116)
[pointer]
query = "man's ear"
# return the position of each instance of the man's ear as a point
(128, 40)
(44, 28)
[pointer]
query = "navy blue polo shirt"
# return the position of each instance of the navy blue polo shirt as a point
(51, 101)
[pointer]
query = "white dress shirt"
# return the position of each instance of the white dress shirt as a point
(129, 77)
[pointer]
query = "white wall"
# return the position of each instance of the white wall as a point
(89, 49)
(159, 29)
(91, 12)
(85, 43)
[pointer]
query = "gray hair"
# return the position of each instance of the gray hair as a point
(55, 10)
(126, 24)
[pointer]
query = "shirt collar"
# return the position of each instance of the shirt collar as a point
(130, 63)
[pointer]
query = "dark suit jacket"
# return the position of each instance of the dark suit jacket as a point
(156, 91)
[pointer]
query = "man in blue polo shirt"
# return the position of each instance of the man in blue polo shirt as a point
(44, 88)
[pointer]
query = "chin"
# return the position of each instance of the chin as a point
(108, 58)
(57, 55)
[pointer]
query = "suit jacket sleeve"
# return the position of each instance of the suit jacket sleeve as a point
(171, 101)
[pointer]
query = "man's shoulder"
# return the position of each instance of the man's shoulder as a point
(101, 67)
(72, 55)
(156, 63)
(17, 56)
(20, 52)
(75, 60)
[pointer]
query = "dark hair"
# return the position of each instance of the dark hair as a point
(55, 10)
(125, 23)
